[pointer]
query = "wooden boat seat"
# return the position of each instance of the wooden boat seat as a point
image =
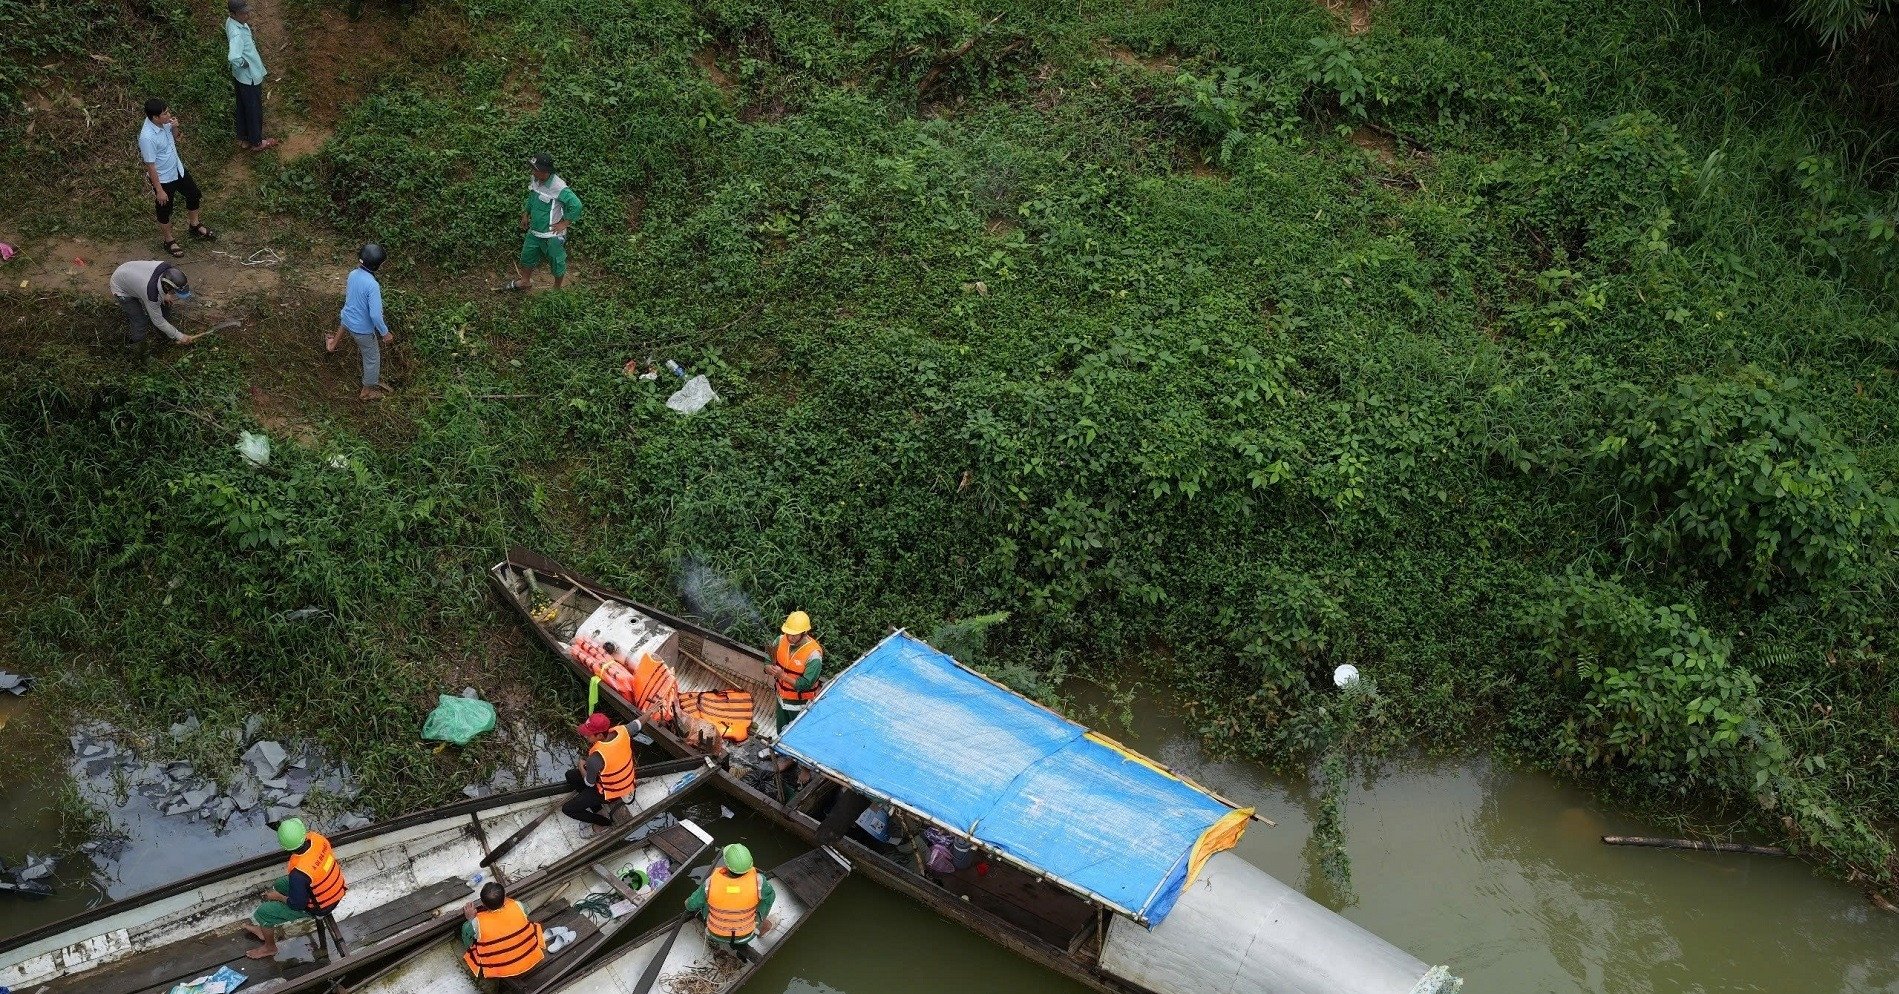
(167, 965)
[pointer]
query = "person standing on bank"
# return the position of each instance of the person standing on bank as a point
(362, 320)
(158, 149)
(247, 76)
(145, 292)
(550, 206)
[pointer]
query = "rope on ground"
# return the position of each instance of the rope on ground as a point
(261, 257)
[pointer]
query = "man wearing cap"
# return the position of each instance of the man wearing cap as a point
(603, 776)
(247, 76)
(796, 663)
(735, 901)
(545, 214)
(145, 292)
(313, 885)
(362, 320)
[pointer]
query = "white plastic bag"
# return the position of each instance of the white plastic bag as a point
(693, 397)
(254, 448)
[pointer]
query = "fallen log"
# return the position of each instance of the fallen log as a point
(1654, 843)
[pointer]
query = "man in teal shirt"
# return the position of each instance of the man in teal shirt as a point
(549, 207)
(247, 76)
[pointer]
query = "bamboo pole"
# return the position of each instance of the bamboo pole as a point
(1654, 843)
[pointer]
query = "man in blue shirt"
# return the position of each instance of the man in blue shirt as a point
(247, 76)
(362, 319)
(158, 149)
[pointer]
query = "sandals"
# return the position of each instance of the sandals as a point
(202, 233)
(174, 248)
(262, 146)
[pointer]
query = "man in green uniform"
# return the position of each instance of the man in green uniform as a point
(550, 206)
(735, 901)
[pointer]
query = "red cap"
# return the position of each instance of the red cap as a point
(596, 724)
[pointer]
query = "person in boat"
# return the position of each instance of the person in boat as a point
(735, 901)
(605, 775)
(500, 939)
(312, 886)
(797, 664)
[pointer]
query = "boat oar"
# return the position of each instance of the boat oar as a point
(651, 976)
(507, 845)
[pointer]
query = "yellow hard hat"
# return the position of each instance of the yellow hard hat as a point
(796, 623)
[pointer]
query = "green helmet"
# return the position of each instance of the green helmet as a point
(738, 859)
(290, 833)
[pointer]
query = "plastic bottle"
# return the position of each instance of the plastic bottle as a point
(673, 368)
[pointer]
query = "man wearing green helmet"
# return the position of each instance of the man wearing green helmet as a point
(313, 885)
(735, 901)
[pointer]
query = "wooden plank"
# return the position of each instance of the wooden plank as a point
(613, 880)
(385, 920)
(677, 842)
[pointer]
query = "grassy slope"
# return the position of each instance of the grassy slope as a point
(1242, 378)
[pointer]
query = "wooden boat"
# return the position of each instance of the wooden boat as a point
(408, 880)
(1022, 906)
(594, 901)
(667, 957)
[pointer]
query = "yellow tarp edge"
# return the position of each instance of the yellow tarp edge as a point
(1219, 837)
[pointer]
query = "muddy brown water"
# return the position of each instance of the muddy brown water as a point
(1494, 870)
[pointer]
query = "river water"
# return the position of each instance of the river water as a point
(1494, 870)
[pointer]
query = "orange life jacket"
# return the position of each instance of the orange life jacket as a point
(793, 661)
(509, 944)
(616, 770)
(732, 903)
(730, 711)
(318, 862)
(655, 688)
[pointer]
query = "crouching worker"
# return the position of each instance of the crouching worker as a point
(313, 886)
(500, 938)
(735, 901)
(605, 775)
(145, 292)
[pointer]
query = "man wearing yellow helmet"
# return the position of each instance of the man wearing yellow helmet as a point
(735, 901)
(797, 663)
(313, 885)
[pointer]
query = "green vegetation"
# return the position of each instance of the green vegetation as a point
(1537, 358)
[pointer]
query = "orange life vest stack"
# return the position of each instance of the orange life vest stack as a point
(730, 711)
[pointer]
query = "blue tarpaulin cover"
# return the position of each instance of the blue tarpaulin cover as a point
(910, 725)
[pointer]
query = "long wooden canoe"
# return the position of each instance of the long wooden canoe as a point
(405, 877)
(683, 953)
(595, 901)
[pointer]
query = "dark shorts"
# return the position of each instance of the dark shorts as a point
(184, 186)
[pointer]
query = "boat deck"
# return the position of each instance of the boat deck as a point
(160, 968)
